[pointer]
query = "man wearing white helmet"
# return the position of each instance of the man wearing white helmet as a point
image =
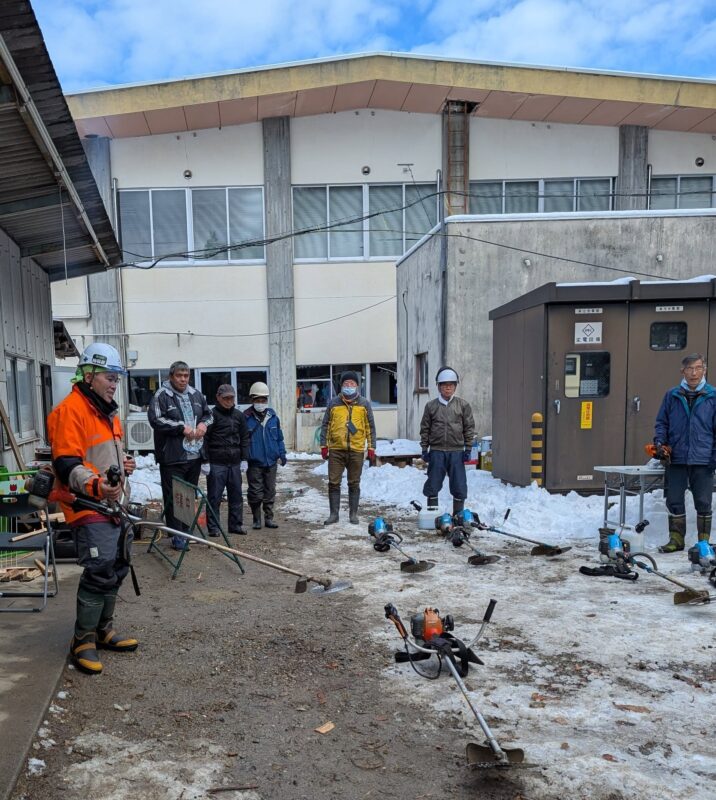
(86, 438)
(446, 432)
(266, 450)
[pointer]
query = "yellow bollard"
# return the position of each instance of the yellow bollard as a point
(537, 447)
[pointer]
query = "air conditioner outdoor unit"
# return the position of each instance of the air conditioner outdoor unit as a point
(140, 435)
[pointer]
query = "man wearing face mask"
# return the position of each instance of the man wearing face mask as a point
(685, 439)
(348, 426)
(266, 449)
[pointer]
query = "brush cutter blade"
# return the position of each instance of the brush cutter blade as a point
(693, 596)
(548, 550)
(332, 588)
(416, 566)
(477, 561)
(481, 756)
(301, 585)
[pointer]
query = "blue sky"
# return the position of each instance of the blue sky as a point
(99, 42)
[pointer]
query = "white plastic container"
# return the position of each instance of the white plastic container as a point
(636, 540)
(426, 519)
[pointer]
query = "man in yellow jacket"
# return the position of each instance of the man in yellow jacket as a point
(348, 426)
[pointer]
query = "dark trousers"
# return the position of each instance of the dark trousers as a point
(349, 460)
(680, 477)
(262, 488)
(103, 549)
(188, 471)
(220, 477)
(442, 463)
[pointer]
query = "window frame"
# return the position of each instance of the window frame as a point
(541, 192)
(421, 366)
(14, 405)
(189, 218)
(678, 178)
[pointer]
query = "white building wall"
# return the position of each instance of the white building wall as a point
(510, 149)
(673, 153)
(230, 156)
(334, 148)
(329, 291)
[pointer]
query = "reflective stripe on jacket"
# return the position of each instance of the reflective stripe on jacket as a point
(334, 429)
(85, 443)
(447, 427)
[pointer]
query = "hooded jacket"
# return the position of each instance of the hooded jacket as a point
(166, 418)
(267, 444)
(690, 432)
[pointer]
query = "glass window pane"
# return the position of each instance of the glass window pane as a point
(345, 202)
(663, 193)
(209, 215)
(386, 230)
(12, 394)
(384, 384)
(309, 211)
(695, 192)
(246, 222)
(339, 369)
(668, 335)
(25, 397)
(587, 374)
(210, 382)
(421, 211)
(558, 196)
(134, 226)
(142, 385)
(486, 197)
(521, 197)
(244, 382)
(594, 195)
(313, 386)
(169, 219)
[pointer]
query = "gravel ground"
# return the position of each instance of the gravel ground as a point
(233, 675)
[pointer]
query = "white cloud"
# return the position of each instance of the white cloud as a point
(117, 41)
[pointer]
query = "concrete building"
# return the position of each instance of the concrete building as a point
(264, 210)
(52, 225)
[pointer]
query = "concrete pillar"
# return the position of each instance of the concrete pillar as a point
(631, 186)
(456, 156)
(279, 272)
(104, 288)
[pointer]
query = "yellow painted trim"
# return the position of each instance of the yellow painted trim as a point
(428, 72)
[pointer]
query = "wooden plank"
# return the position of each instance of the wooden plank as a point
(40, 565)
(28, 535)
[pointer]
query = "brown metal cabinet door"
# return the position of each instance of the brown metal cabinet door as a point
(586, 384)
(660, 335)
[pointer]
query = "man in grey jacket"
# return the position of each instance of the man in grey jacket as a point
(446, 432)
(180, 417)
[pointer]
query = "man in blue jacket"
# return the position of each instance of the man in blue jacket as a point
(266, 449)
(685, 438)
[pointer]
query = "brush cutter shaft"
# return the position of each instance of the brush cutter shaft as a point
(654, 571)
(494, 745)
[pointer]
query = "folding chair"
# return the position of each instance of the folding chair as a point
(19, 540)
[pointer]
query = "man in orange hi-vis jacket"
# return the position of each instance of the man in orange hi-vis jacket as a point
(86, 439)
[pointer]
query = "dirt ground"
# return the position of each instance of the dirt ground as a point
(233, 676)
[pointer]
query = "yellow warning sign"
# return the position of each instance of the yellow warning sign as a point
(585, 422)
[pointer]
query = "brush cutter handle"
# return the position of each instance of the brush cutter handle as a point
(391, 613)
(490, 608)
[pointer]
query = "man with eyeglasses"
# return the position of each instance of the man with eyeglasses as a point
(685, 439)
(86, 439)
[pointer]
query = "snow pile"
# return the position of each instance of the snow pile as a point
(303, 456)
(397, 447)
(145, 481)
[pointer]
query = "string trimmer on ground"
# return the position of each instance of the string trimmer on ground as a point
(384, 537)
(432, 637)
(618, 562)
(459, 535)
(540, 548)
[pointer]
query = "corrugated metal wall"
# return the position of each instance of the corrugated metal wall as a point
(26, 329)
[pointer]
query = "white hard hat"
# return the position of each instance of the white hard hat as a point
(447, 375)
(259, 389)
(102, 356)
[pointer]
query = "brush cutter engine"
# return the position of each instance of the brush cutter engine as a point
(703, 559)
(429, 623)
(444, 523)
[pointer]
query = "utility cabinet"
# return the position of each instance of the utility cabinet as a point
(595, 360)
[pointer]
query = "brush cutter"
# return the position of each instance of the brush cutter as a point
(323, 585)
(461, 536)
(385, 538)
(688, 595)
(431, 637)
(540, 549)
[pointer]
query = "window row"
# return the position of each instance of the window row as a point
(683, 191)
(541, 196)
(223, 224)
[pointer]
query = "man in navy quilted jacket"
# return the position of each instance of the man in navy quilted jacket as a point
(685, 438)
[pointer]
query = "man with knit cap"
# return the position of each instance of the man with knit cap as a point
(685, 439)
(86, 438)
(446, 432)
(348, 427)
